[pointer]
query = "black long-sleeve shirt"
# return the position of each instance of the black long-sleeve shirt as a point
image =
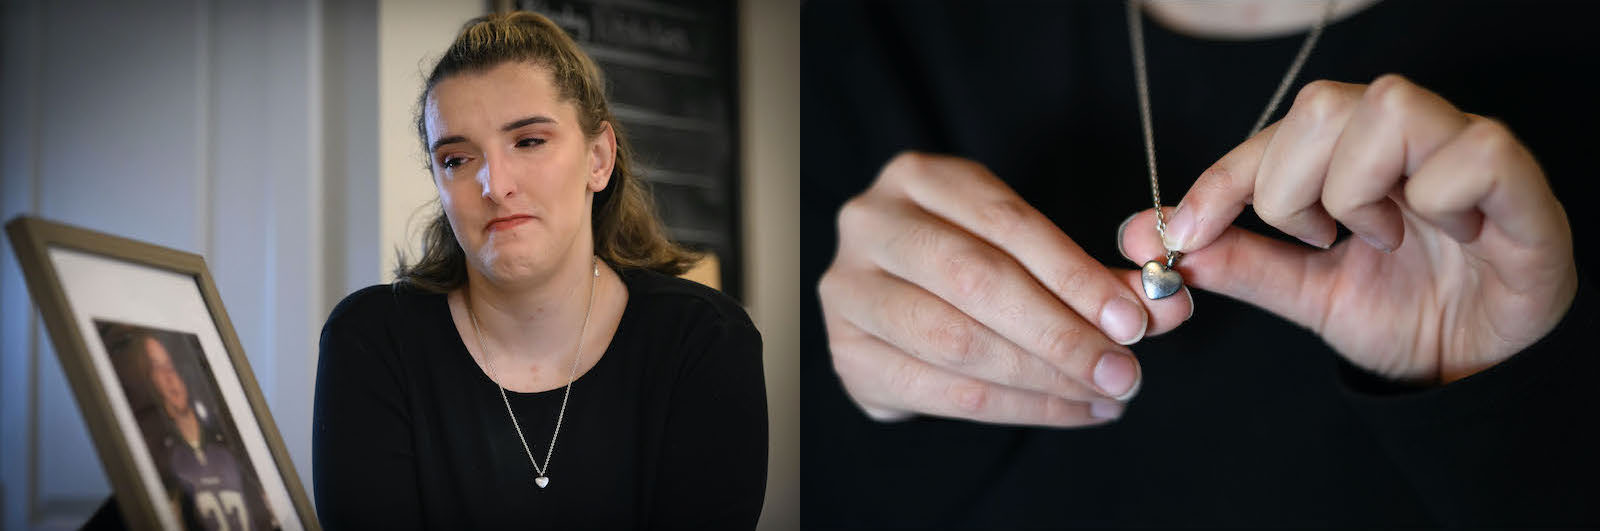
(667, 430)
(1244, 419)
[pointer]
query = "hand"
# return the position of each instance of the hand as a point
(1467, 256)
(951, 296)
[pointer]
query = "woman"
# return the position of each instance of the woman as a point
(539, 366)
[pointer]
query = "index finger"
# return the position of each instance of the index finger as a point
(1218, 196)
(970, 197)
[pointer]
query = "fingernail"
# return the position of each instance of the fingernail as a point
(1186, 293)
(1105, 410)
(1117, 375)
(1375, 243)
(1316, 244)
(1123, 320)
(1177, 237)
(1120, 229)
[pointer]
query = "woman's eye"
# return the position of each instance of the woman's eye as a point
(453, 162)
(530, 142)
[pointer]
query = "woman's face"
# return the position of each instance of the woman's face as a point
(173, 392)
(514, 170)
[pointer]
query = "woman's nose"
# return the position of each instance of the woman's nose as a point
(496, 179)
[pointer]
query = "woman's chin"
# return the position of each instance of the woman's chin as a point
(511, 266)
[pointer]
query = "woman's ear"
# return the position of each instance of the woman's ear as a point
(602, 158)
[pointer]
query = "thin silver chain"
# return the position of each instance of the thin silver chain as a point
(1136, 34)
(577, 355)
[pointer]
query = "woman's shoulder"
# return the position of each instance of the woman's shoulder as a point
(689, 324)
(659, 293)
(375, 304)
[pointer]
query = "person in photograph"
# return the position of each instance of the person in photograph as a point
(540, 365)
(209, 483)
(1367, 307)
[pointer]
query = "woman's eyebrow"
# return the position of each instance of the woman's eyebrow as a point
(535, 119)
(446, 140)
(530, 120)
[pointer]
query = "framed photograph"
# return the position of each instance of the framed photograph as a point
(181, 429)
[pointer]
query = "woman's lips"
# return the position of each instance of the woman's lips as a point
(506, 222)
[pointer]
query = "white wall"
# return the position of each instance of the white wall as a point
(769, 84)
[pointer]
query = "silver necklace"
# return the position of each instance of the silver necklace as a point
(542, 479)
(1160, 279)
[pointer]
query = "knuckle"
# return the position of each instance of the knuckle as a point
(901, 165)
(1492, 138)
(971, 273)
(1393, 93)
(919, 165)
(908, 165)
(954, 339)
(1320, 101)
(909, 159)
(1056, 410)
(1277, 204)
(969, 396)
(1339, 205)
(934, 162)
(1217, 173)
(1389, 80)
(1003, 217)
(828, 286)
(1059, 344)
(853, 378)
(1062, 383)
(1269, 209)
(1074, 280)
(1218, 179)
(1010, 313)
(853, 214)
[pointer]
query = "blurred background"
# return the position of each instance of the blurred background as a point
(274, 138)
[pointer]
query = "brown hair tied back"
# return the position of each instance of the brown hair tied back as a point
(627, 233)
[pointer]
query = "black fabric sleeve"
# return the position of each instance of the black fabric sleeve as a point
(713, 471)
(1514, 445)
(362, 456)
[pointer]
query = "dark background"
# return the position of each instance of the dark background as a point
(1243, 419)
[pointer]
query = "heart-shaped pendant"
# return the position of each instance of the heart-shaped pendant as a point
(1160, 280)
(541, 481)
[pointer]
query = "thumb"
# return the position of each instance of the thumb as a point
(1283, 278)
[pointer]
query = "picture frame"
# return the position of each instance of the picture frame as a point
(180, 426)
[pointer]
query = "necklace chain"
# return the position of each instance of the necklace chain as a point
(1136, 34)
(577, 355)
